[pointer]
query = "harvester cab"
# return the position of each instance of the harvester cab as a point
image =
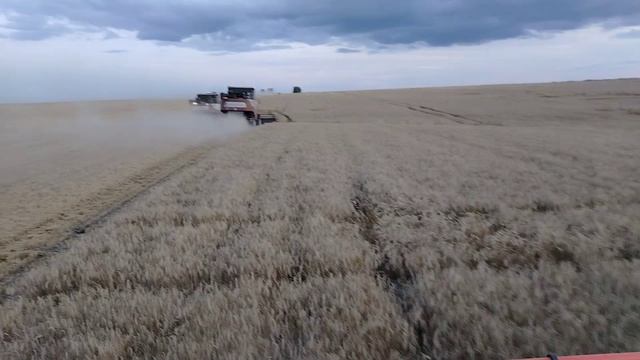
(205, 99)
(241, 93)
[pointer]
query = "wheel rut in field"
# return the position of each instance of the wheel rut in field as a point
(285, 115)
(395, 275)
(431, 111)
(442, 114)
(366, 216)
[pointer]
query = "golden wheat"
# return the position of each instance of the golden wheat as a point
(364, 230)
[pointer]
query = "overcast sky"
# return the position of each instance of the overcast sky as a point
(105, 49)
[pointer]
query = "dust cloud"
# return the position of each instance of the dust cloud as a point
(149, 125)
(58, 137)
(57, 157)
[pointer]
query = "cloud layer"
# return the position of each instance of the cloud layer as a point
(248, 25)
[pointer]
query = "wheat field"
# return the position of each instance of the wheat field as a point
(456, 223)
(63, 164)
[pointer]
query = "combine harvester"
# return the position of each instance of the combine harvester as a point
(210, 100)
(620, 356)
(242, 100)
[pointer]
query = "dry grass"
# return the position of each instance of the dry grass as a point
(366, 231)
(64, 163)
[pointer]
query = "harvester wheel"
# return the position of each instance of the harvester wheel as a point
(224, 111)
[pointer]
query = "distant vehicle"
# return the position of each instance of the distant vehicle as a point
(205, 99)
(297, 90)
(242, 99)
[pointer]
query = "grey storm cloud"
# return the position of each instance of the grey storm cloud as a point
(631, 34)
(241, 25)
(35, 27)
(347, 51)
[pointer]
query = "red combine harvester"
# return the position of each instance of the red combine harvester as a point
(621, 356)
(242, 100)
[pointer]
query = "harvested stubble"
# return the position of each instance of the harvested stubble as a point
(376, 233)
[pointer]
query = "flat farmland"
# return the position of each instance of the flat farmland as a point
(453, 223)
(64, 163)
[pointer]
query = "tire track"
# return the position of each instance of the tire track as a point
(447, 115)
(285, 115)
(396, 280)
(426, 110)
